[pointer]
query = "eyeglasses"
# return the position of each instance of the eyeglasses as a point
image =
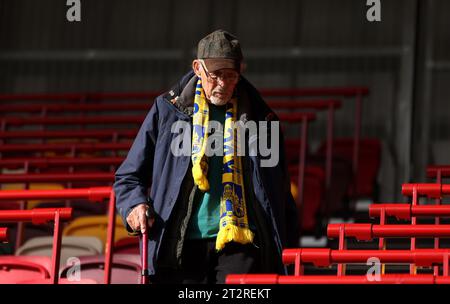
(229, 76)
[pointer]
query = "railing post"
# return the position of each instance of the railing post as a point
(445, 265)
(56, 255)
(23, 205)
(438, 201)
(298, 264)
(415, 201)
(342, 246)
(381, 240)
(110, 238)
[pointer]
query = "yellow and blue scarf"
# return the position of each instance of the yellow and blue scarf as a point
(233, 224)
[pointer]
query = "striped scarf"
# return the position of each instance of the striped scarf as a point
(233, 224)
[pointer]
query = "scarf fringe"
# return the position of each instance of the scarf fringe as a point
(233, 233)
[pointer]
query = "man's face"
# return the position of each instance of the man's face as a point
(218, 85)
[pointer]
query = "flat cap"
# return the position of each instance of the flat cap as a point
(220, 50)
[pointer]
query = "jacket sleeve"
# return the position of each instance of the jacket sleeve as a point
(133, 177)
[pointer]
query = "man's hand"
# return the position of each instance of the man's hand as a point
(137, 216)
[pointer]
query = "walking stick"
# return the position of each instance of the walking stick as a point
(144, 255)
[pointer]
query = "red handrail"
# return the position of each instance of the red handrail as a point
(329, 279)
(338, 91)
(51, 120)
(37, 216)
(82, 134)
(53, 107)
(296, 117)
(434, 171)
(320, 104)
(407, 211)
(93, 194)
(430, 190)
(317, 104)
(57, 177)
(79, 96)
(369, 231)
(359, 279)
(59, 162)
(65, 147)
(324, 257)
(327, 91)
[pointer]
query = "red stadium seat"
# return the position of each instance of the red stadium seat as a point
(126, 269)
(309, 211)
(14, 269)
(368, 164)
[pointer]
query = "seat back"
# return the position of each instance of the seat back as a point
(72, 246)
(14, 269)
(126, 269)
(95, 226)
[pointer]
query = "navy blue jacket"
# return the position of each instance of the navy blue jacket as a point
(152, 174)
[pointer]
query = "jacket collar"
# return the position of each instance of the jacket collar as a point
(182, 97)
(250, 104)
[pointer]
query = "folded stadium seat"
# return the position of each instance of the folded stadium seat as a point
(14, 269)
(341, 176)
(368, 164)
(314, 185)
(95, 226)
(71, 246)
(128, 245)
(126, 269)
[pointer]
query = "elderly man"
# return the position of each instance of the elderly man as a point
(207, 215)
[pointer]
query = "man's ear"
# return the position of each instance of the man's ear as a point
(196, 67)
